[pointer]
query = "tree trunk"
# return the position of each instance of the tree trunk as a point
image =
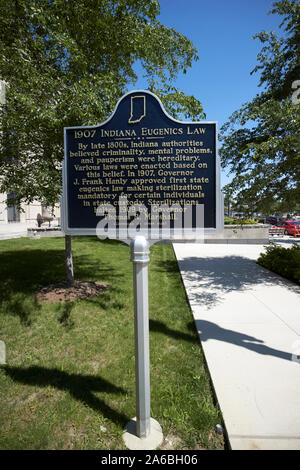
(69, 261)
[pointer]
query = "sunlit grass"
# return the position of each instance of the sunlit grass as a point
(69, 382)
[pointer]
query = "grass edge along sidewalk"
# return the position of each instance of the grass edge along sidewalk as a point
(69, 382)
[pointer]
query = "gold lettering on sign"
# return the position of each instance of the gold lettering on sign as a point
(141, 164)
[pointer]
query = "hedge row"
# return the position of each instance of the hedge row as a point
(230, 221)
(283, 261)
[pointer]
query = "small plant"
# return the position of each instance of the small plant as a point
(283, 261)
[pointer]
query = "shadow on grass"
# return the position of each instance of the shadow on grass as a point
(22, 272)
(80, 387)
(65, 314)
(25, 270)
(94, 239)
(160, 327)
(169, 266)
(21, 305)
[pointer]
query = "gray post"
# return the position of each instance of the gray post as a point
(140, 258)
(69, 260)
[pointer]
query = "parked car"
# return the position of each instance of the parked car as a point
(273, 220)
(291, 227)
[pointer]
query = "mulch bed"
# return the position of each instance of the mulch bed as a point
(61, 291)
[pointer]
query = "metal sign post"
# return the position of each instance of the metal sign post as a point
(143, 432)
(140, 259)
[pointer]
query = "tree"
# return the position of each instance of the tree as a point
(260, 142)
(67, 63)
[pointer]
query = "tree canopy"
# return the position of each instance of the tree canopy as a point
(260, 142)
(66, 63)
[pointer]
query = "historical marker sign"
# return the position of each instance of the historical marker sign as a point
(150, 161)
(142, 176)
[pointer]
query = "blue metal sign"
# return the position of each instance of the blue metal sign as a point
(145, 157)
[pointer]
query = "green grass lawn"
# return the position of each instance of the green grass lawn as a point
(69, 381)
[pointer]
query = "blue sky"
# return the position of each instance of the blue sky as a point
(222, 31)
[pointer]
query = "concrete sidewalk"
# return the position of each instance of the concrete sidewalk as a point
(248, 320)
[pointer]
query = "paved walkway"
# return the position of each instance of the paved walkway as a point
(248, 320)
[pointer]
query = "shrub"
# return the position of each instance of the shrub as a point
(247, 221)
(283, 261)
(231, 221)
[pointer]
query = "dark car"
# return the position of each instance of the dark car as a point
(273, 220)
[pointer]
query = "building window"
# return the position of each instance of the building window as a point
(13, 213)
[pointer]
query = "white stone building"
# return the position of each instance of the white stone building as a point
(14, 223)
